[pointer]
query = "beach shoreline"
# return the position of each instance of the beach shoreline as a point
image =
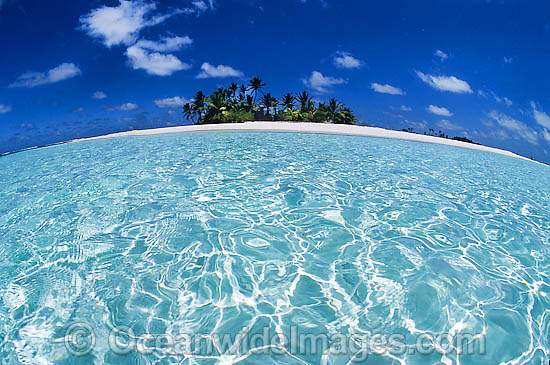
(299, 127)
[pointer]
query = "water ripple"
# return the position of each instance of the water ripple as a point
(241, 232)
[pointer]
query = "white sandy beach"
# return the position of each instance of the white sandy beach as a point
(308, 128)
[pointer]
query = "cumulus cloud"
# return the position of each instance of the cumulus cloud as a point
(167, 44)
(99, 95)
(175, 102)
(121, 24)
(346, 60)
(405, 108)
(209, 71)
(541, 117)
(386, 89)
(5, 108)
(519, 129)
(444, 112)
(145, 55)
(445, 83)
(446, 124)
(123, 107)
(154, 63)
(320, 83)
(62, 72)
(442, 55)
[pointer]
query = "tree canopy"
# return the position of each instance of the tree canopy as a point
(242, 103)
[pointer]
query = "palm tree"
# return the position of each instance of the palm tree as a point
(217, 107)
(248, 104)
(242, 95)
(274, 105)
(268, 102)
(188, 112)
(346, 116)
(224, 92)
(333, 109)
(305, 100)
(198, 105)
(288, 101)
(234, 87)
(238, 103)
(255, 85)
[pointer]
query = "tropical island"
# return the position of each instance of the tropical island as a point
(243, 103)
(246, 103)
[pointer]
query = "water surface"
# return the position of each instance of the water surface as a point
(234, 233)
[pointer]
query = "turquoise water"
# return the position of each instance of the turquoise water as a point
(214, 234)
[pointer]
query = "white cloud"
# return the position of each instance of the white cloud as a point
(546, 135)
(498, 99)
(405, 108)
(5, 108)
(445, 83)
(121, 24)
(200, 6)
(123, 107)
(99, 95)
(141, 56)
(520, 129)
(541, 117)
(386, 89)
(503, 100)
(320, 83)
(175, 102)
(448, 125)
(209, 71)
(442, 55)
(154, 63)
(166, 44)
(62, 72)
(444, 112)
(346, 60)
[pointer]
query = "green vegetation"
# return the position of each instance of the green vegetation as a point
(464, 139)
(440, 134)
(243, 103)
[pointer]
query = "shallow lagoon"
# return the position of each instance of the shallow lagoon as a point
(246, 233)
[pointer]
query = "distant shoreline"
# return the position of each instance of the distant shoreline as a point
(293, 127)
(303, 127)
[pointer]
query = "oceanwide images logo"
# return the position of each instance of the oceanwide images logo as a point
(81, 340)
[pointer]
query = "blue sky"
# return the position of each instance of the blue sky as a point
(473, 68)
